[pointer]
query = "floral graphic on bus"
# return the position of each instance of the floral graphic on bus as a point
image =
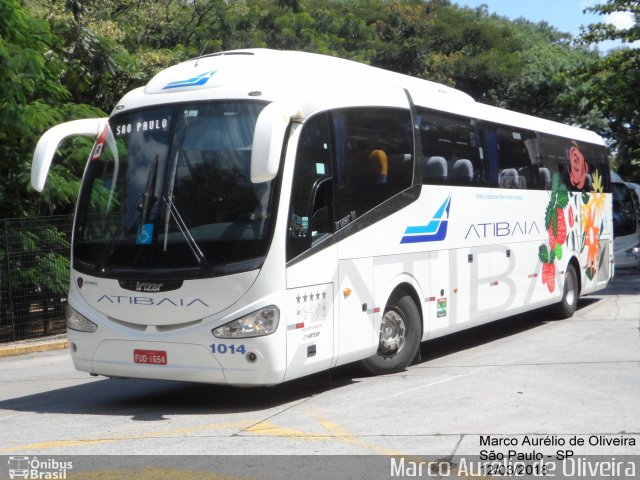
(573, 220)
(590, 241)
(592, 224)
(597, 197)
(556, 227)
(578, 168)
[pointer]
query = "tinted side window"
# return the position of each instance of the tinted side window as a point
(553, 154)
(373, 159)
(581, 166)
(451, 151)
(598, 176)
(310, 216)
(624, 214)
(512, 156)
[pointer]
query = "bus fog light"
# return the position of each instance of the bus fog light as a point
(256, 324)
(78, 322)
(251, 357)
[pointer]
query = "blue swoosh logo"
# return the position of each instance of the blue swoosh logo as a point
(191, 82)
(434, 231)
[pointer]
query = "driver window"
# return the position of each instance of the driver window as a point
(311, 216)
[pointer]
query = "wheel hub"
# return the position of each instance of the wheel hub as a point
(392, 333)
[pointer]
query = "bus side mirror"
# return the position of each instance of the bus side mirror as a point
(51, 140)
(268, 140)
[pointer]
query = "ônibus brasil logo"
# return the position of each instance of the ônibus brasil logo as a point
(434, 231)
(191, 82)
(34, 468)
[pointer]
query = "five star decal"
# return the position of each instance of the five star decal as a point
(310, 297)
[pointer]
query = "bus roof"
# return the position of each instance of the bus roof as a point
(313, 82)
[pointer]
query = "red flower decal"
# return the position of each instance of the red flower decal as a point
(578, 166)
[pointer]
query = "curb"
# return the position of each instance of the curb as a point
(21, 348)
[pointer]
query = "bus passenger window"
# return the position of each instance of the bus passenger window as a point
(451, 150)
(514, 157)
(598, 177)
(580, 166)
(373, 159)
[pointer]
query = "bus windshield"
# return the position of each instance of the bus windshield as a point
(168, 189)
(624, 214)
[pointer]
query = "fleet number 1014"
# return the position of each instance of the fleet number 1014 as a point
(223, 348)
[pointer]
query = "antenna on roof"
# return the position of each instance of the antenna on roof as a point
(201, 53)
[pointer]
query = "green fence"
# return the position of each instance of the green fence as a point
(34, 276)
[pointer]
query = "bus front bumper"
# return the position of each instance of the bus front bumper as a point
(172, 361)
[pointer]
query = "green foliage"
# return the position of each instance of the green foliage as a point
(606, 31)
(614, 82)
(37, 261)
(32, 99)
(44, 270)
(29, 88)
(477, 52)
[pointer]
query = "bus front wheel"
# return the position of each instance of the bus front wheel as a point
(399, 339)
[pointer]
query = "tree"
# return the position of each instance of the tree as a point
(32, 100)
(615, 83)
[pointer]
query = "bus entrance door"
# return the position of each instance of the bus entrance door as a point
(310, 326)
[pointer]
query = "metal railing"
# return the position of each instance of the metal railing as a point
(34, 276)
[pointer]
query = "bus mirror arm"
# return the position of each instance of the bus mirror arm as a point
(51, 140)
(268, 140)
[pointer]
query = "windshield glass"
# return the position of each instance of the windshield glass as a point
(624, 214)
(169, 188)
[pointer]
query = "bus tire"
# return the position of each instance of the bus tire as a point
(399, 339)
(569, 303)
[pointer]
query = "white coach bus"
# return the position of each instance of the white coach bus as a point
(253, 216)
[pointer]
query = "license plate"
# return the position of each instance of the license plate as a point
(150, 357)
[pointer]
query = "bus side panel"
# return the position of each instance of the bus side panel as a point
(357, 338)
(460, 293)
(517, 280)
(536, 293)
(440, 304)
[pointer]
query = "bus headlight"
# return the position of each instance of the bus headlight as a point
(633, 250)
(256, 324)
(78, 322)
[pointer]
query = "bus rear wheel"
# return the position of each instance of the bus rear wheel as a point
(399, 339)
(569, 302)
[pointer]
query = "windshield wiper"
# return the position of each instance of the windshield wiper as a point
(146, 200)
(184, 230)
(143, 205)
(172, 211)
